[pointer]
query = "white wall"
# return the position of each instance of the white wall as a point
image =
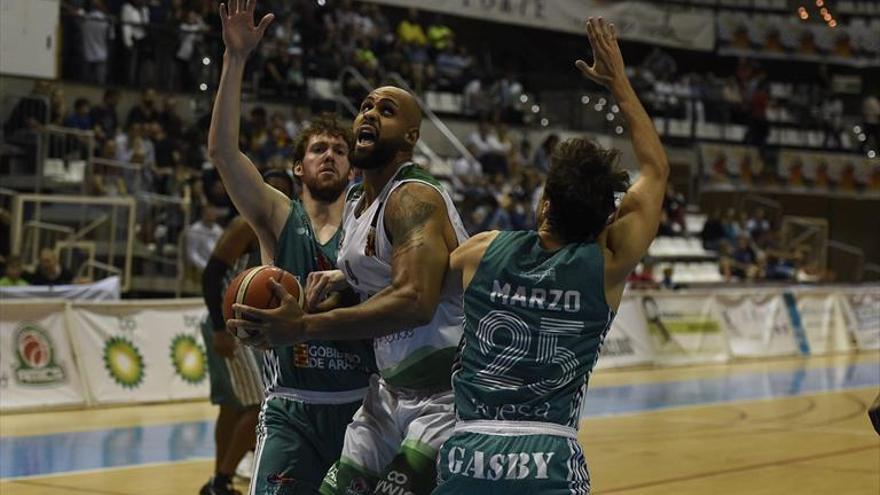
(29, 37)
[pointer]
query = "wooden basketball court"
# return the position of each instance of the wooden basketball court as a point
(793, 425)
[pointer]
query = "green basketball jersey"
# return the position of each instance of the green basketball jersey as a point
(319, 366)
(534, 325)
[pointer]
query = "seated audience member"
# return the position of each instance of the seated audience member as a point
(50, 271)
(713, 232)
(14, 274)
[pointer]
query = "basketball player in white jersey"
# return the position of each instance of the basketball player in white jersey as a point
(399, 228)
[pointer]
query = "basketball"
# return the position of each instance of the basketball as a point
(251, 287)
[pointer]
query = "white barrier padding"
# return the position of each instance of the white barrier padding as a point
(861, 312)
(628, 342)
(107, 289)
(37, 367)
(142, 351)
(685, 327)
(757, 324)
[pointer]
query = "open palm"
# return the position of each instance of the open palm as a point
(607, 65)
(239, 32)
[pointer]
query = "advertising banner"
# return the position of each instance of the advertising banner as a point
(861, 314)
(142, 351)
(628, 342)
(685, 328)
(692, 29)
(37, 368)
(757, 324)
(825, 331)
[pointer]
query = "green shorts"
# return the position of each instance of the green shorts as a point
(511, 464)
(222, 393)
(296, 445)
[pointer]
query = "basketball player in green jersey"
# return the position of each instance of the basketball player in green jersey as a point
(538, 305)
(400, 227)
(315, 386)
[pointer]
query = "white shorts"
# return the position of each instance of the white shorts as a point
(245, 374)
(391, 419)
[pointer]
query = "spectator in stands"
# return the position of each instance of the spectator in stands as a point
(729, 223)
(135, 18)
(490, 151)
(477, 99)
(97, 30)
(674, 207)
(201, 237)
(871, 122)
(80, 118)
(192, 27)
(743, 254)
(758, 224)
(643, 276)
(146, 110)
(466, 172)
(30, 113)
(544, 152)
(49, 270)
(170, 119)
(832, 120)
(14, 272)
(410, 30)
(57, 106)
(104, 117)
(439, 35)
(713, 232)
(283, 74)
(666, 282)
(107, 180)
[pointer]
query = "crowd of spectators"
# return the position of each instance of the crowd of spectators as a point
(750, 248)
(175, 45)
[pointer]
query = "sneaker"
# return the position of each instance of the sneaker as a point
(210, 488)
(245, 468)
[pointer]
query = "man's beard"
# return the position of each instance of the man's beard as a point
(327, 192)
(381, 155)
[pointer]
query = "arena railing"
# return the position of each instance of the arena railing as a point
(76, 221)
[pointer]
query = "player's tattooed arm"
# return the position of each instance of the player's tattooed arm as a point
(407, 217)
(421, 238)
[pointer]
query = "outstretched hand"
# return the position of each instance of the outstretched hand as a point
(266, 328)
(607, 68)
(239, 33)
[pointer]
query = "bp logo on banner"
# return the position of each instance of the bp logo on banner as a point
(124, 362)
(36, 357)
(188, 358)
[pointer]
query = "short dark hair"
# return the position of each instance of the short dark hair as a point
(580, 186)
(326, 123)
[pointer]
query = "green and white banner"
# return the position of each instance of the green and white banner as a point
(142, 351)
(37, 366)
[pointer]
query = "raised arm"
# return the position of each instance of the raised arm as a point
(264, 207)
(628, 237)
(422, 238)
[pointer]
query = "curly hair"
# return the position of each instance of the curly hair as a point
(580, 186)
(325, 123)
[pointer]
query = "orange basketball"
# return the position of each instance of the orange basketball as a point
(251, 287)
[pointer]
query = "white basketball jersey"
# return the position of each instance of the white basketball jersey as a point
(417, 357)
